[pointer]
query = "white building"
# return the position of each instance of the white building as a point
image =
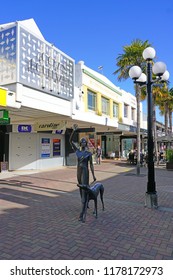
(43, 93)
(40, 86)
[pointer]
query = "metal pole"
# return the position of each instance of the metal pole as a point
(151, 194)
(138, 138)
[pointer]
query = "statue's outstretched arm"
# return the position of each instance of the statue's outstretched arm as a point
(74, 146)
(92, 168)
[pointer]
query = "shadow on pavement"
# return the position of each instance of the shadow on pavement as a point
(41, 221)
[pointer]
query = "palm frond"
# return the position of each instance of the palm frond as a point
(132, 55)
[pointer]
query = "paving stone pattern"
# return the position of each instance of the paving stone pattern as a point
(39, 216)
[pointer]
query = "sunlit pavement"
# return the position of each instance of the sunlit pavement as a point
(39, 215)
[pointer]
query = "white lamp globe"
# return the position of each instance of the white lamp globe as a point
(135, 72)
(159, 68)
(142, 78)
(165, 76)
(149, 53)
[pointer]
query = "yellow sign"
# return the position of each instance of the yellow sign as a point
(3, 97)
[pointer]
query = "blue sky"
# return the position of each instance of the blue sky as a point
(95, 31)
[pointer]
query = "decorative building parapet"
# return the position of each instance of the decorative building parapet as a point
(28, 59)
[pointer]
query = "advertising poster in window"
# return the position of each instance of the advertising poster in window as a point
(56, 147)
(45, 147)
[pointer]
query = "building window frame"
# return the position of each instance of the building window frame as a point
(133, 114)
(126, 110)
(92, 100)
(105, 106)
(115, 110)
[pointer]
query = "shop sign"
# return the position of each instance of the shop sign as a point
(24, 128)
(132, 128)
(38, 64)
(4, 114)
(59, 131)
(123, 127)
(4, 118)
(4, 122)
(86, 129)
(49, 126)
(56, 147)
(3, 97)
(47, 68)
(45, 147)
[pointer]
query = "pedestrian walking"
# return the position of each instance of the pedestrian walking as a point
(98, 154)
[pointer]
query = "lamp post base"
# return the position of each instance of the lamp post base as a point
(151, 200)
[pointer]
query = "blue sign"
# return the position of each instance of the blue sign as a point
(59, 131)
(24, 128)
(45, 147)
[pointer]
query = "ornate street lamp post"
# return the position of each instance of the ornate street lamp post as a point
(135, 72)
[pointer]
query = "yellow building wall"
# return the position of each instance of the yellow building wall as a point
(99, 104)
(120, 113)
(111, 108)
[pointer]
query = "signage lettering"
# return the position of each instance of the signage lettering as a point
(24, 128)
(39, 69)
(49, 126)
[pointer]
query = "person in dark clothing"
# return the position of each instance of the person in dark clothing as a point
(131, 157)
(141, 158)
(98, 154)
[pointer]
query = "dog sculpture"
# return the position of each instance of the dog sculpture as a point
(90, 193)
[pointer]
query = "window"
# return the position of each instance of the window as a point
(115, 110)
(125, 110)
(91, 101)
(133, 114)
(105, 106)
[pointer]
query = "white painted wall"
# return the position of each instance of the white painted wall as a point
(25, 151)
(42, 101)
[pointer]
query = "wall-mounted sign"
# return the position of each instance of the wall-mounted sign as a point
(123, 127)
(4, 122)
(56, 147)
(59, 131)
(4, 117)
(45, 147)
(41, 65)
(3, 97)
(4, 114)
(24, 128)
(49, 126)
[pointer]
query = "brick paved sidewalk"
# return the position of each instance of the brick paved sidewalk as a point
(39, 216)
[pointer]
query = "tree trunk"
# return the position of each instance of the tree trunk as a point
(155, 133)
(170, 121)
(166, 118)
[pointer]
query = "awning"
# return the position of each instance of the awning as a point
(167, 138)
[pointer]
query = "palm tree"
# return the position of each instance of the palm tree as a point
(170, 108)
(132, 55)
(158, 92)
(163, 98)
(165, 103)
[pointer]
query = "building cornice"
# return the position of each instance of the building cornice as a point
(101, 81)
